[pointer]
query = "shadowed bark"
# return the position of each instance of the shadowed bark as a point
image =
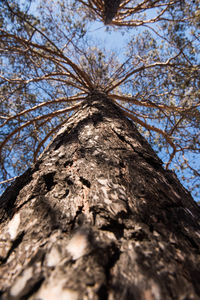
(98, 217)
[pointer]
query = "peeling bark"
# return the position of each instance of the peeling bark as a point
(97, 217)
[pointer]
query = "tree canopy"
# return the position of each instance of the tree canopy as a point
(55, 53)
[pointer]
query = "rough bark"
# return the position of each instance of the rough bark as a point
(97, 217)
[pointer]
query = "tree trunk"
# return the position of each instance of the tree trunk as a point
(98, 217)
(110, 10)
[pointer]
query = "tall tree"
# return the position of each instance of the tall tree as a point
(53, 63)
(97, 216)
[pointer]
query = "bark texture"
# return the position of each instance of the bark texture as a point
(98, 217)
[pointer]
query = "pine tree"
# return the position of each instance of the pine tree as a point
(110, 10)
(97, 217)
